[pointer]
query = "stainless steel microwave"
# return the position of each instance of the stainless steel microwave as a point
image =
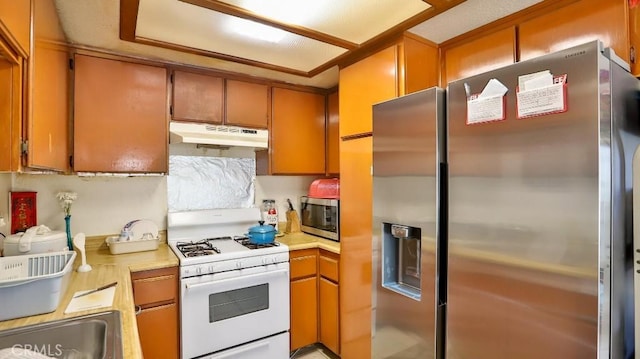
(320, 217)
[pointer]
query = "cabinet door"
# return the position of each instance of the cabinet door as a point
(634, 33)
(329, 317)
(150, 291)
(158, 331)
(486, 53)
(120, 116)
(197, 98)
(575, 24)
(15, 16)
(247, 104)
(355, 247)
(364, 83)
(304, 312)
(48, 125)
(420, 64)
(297, 132)
(10, 109)
(333, 134)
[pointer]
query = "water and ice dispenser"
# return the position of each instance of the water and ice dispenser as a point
(401, 259)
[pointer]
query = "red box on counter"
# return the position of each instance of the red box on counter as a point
(325, 188)
(23, 211)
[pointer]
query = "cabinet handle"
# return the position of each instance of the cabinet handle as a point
(138, 309)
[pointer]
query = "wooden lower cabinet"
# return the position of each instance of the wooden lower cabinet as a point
(157, 327)
(304, 312)
(315, 302)
(155, 294)
(304, 298)
(329, 300)
(329, 317)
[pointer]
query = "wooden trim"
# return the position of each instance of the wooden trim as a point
(387, 38)
(514, 19)
(356, 136)
(232, 10)
(14, 45)
(221, 56)
(172, 65)
(128, 19)
(129, 12)
(420, 39)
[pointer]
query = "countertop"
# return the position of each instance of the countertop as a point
(107, 268)
(301, 240)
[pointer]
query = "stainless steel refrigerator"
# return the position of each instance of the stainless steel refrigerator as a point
(540, 239)
(408, 156)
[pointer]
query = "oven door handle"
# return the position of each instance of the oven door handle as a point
(243, 278)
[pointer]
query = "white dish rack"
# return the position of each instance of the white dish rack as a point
(33, 284)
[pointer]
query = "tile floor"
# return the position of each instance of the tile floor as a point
(313, 352)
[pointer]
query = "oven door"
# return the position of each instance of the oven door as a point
(226, 309)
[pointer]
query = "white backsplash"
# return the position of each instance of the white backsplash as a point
(105, 203)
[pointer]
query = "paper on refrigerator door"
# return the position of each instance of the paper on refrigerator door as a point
(489, 105)
(540, 93)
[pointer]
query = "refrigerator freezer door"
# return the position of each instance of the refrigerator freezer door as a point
(406, 156)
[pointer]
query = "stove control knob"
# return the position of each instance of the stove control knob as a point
(199, 270)
(210, 269)
(274, 259)
(238, 264)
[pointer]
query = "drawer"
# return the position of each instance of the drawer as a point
(157, 286)
(303, 263)
(329, 267)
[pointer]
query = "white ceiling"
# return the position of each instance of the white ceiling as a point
(96, 23)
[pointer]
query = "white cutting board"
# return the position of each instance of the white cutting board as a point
(100, 299)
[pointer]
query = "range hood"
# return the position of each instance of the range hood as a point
(217, 135)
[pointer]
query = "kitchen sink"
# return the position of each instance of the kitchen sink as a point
(89, 336)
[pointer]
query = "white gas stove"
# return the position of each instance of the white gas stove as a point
(228, 284)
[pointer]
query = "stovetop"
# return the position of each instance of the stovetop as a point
(209, 241)
(209, 246)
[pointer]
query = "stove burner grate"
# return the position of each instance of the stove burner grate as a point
(245, 242)
(196, 249)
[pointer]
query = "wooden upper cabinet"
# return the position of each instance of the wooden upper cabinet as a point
(297, 132)
(197, 97)
(15, 18)
(634, 33)
(48, 89)
(333, 134)
(488, 52)
(10, 110)
(247, 104)
(369, 81)
(420, 63)
(120, 116)
(408, 66)
(48, 140)
(575, 24)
